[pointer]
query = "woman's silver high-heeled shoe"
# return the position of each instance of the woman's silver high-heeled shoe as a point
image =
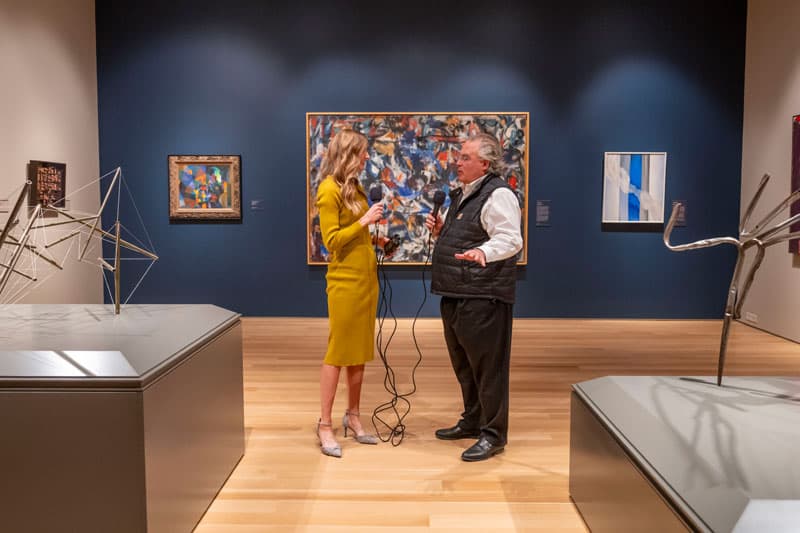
(333, 451)
(361, 439)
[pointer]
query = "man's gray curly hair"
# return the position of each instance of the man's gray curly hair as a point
(489, 149)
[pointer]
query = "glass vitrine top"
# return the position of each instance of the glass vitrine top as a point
(90, 341)
(727, 454)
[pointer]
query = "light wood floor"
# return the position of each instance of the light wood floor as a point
(284, 484)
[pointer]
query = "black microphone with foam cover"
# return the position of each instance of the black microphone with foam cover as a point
(438, 201)
(375, 195)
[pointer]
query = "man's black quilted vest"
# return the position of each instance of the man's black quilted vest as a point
(462, 231)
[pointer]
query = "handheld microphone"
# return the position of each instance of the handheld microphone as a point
(376, 195)
(438, 200)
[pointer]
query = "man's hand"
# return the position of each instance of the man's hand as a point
(434, 224)
(475, 255)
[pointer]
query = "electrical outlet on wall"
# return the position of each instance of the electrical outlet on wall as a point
(751, 317)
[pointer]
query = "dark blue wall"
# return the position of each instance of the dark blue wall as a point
(209, 77)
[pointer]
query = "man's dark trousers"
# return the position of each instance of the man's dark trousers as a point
(478, 336)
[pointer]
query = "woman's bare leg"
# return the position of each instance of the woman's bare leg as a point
(328, 381)
(355, 377)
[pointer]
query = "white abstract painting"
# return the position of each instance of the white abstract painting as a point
(633, 187)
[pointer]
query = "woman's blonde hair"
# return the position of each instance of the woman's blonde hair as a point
(343, 161)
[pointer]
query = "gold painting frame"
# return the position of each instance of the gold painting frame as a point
(205, 188)
(440, 134)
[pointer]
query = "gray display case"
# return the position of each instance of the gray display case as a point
(680, 453)
(124, 423)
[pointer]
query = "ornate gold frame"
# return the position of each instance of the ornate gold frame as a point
(177, 213)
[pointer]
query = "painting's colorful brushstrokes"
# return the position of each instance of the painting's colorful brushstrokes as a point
(633, 187)
(204, 187)
(410, 157)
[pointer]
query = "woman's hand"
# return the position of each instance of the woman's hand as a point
(434, 224)
(374, 214)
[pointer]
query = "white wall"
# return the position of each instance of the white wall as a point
(48, 111)
(772, 97)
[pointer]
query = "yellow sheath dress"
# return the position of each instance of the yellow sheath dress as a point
(352, 278)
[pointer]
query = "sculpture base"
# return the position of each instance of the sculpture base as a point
(676, 454)
(143, 447)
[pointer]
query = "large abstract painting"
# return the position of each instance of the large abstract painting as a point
(411, 156)
(794, 245)
(633, 187)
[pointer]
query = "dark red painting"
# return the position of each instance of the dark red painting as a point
(794, 245)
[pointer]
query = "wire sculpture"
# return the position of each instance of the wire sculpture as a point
(761, 236)
(88, 227)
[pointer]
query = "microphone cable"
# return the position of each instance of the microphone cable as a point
(396, 431)
(399, 403)
(427, 251)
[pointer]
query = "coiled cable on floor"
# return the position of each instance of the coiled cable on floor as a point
(399, 404)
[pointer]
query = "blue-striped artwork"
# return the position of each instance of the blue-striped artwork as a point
(633, 187)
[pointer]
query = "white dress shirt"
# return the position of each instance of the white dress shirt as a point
(500, 217)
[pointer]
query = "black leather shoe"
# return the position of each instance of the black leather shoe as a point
(457, 432)
(483, 449)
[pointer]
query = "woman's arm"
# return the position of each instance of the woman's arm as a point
(335, 237)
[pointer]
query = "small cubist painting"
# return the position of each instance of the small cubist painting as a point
(633, 188)
(410, 156)
(205, 187)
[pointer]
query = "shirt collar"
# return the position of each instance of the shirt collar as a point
(471, 187)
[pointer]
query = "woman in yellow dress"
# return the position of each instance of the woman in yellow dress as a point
(352, 282)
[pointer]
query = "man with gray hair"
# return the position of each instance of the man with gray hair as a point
(474, 271)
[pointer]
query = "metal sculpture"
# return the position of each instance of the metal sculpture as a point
(761, 236)
(92, 221)
(19, 243)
